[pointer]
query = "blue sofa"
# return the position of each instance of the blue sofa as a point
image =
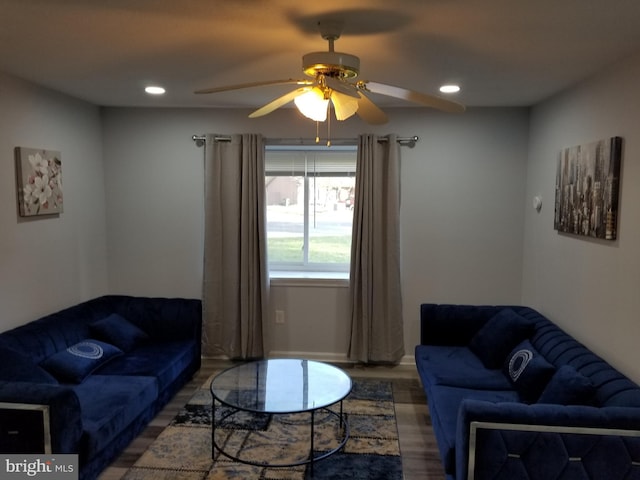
(101, 370)
(512, 396)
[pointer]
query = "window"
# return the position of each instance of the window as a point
(309, 196)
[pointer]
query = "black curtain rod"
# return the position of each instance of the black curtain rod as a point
(403, 141)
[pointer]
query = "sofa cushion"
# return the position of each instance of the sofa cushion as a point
(568, 387)
(458, 367)
(110, 403)
(165, 361)
(118, 331)
(76, 362)
(498, 336)
(17, 367)
(528, 371)
(444, 404)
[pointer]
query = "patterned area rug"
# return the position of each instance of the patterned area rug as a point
(183, 449)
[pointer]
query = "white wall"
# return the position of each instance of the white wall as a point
(50, 262)
(154, 191)
(469, 234)
(461, 218)
(590, 287)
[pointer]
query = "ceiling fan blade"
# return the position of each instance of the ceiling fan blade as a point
(342, 87)
(240, 86)
(370, 112)
(415, 97)
(279, 102)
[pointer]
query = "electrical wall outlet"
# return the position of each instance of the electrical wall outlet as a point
(280, 316)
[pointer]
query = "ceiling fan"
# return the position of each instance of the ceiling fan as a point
(332, 83)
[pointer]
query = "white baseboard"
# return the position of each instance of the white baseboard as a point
(407, 360)
(318, 356)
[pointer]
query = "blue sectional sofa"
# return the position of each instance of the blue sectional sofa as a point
(512, 396)
(101, 370)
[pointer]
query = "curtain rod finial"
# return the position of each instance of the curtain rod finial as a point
(409, 142)
(199, 139)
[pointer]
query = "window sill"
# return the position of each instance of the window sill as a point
(309, 279)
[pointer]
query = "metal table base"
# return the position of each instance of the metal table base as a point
(310, 460)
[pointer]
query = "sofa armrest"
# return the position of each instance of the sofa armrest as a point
(513, 440)
(65, 424)
(447, 324)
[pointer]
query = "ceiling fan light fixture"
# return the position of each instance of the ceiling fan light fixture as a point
(344, 105)
(339, 64)
(313, 104)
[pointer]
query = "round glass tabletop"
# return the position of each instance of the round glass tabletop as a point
(281, 386)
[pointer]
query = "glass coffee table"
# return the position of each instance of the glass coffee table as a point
(280, 387)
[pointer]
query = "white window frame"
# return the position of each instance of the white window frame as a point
(305, 269)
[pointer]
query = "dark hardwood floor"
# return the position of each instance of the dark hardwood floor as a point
(419, 451)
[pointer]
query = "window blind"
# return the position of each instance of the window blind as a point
(308, 162)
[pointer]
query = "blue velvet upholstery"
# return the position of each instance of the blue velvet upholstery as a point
(98, 417)
(568, 387)
(457, 367)
(64, 410)
(164, 361)
(498, 336)
(528, 371)
(128, 397)
(500, 447)
(444, 418)
(76, 362)
(118, 331)
(511, 455)
(583, 391)
(18, 367)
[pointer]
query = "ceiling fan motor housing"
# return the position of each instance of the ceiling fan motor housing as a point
(332, 64)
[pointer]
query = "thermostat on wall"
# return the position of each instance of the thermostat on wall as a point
(537, 203)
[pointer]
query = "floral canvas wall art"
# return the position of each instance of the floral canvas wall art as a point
(39, 175)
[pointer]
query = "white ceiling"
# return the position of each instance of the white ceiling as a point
(501, 52)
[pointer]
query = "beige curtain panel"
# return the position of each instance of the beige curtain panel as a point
(235, 277)
(375, 283)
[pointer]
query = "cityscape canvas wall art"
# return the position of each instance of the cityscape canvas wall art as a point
(587, 184)
(39, 175)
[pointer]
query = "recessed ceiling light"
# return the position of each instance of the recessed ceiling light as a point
(449, 88)
(154, 90)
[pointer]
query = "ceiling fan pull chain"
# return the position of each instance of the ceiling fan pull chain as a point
(329, 125)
